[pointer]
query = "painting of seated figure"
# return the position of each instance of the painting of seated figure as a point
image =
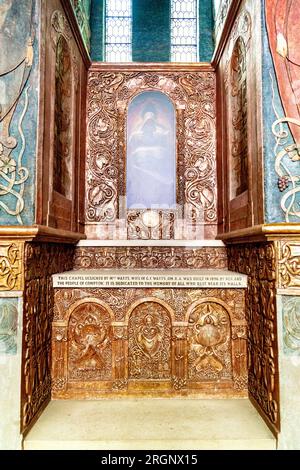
(151, 152)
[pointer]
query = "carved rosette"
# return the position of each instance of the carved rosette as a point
(11, 266)
(90, 343)
(109, 94)
(209, 356)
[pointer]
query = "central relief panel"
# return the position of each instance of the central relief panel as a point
(151, 163)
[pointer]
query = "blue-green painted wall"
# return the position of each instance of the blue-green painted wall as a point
(19, 83)
(280, 206)
(97, 30)
(206, 30)
(151, 30)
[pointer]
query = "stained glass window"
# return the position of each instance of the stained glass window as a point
(118, 21)
(184, 30)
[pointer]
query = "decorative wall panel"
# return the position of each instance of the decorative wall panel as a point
(258, 261)
(109, 95)
(89, 353)
(239, 120)
(288, 264)
(281, 68)
(149, 342)
(11, 265)
(164, 342)
(41, 261)
(291, 325)
(209, 341)
(150, 257)
(18, 104)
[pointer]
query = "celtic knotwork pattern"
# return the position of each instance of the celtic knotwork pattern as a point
(109, 94)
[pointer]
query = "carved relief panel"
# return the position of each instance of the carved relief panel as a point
(209, 341)
(192, 95)
(239, 146)
(141, 341)
(239, 122)
(89, 343)
(63, 139)
(149, 333)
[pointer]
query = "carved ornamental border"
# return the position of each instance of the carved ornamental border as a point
(193, 94)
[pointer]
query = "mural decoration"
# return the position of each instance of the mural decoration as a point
(239, 121)
(151, 152)
(282, 18)
(221, 17)
(16, 63)
(82, 9)
(291, 324)
(8, 326)
(62, 171)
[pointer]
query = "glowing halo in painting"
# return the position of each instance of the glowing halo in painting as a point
(151, 152)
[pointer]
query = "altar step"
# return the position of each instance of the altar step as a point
(150, 424)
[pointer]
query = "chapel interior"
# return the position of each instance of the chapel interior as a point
(149, 224)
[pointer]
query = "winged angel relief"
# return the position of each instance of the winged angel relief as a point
(283, 18)
(16, 57)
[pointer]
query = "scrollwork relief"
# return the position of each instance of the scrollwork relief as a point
(89, 346)
(209, 356)
(258, 261)
(11, 266)
(108, 97)
(41, 261)
(150, 257)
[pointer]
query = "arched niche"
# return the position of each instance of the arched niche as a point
(151, 152)
(239, 120)
(62, 162)
(149, 342)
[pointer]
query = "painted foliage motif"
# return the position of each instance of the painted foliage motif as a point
(16, 61)
(283, 17)
(8, 326)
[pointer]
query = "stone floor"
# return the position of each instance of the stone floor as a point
(150, 424)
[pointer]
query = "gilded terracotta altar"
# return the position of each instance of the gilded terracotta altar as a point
(148, 341)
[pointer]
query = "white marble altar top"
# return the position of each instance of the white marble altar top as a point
(150, 278)
(162, 243)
